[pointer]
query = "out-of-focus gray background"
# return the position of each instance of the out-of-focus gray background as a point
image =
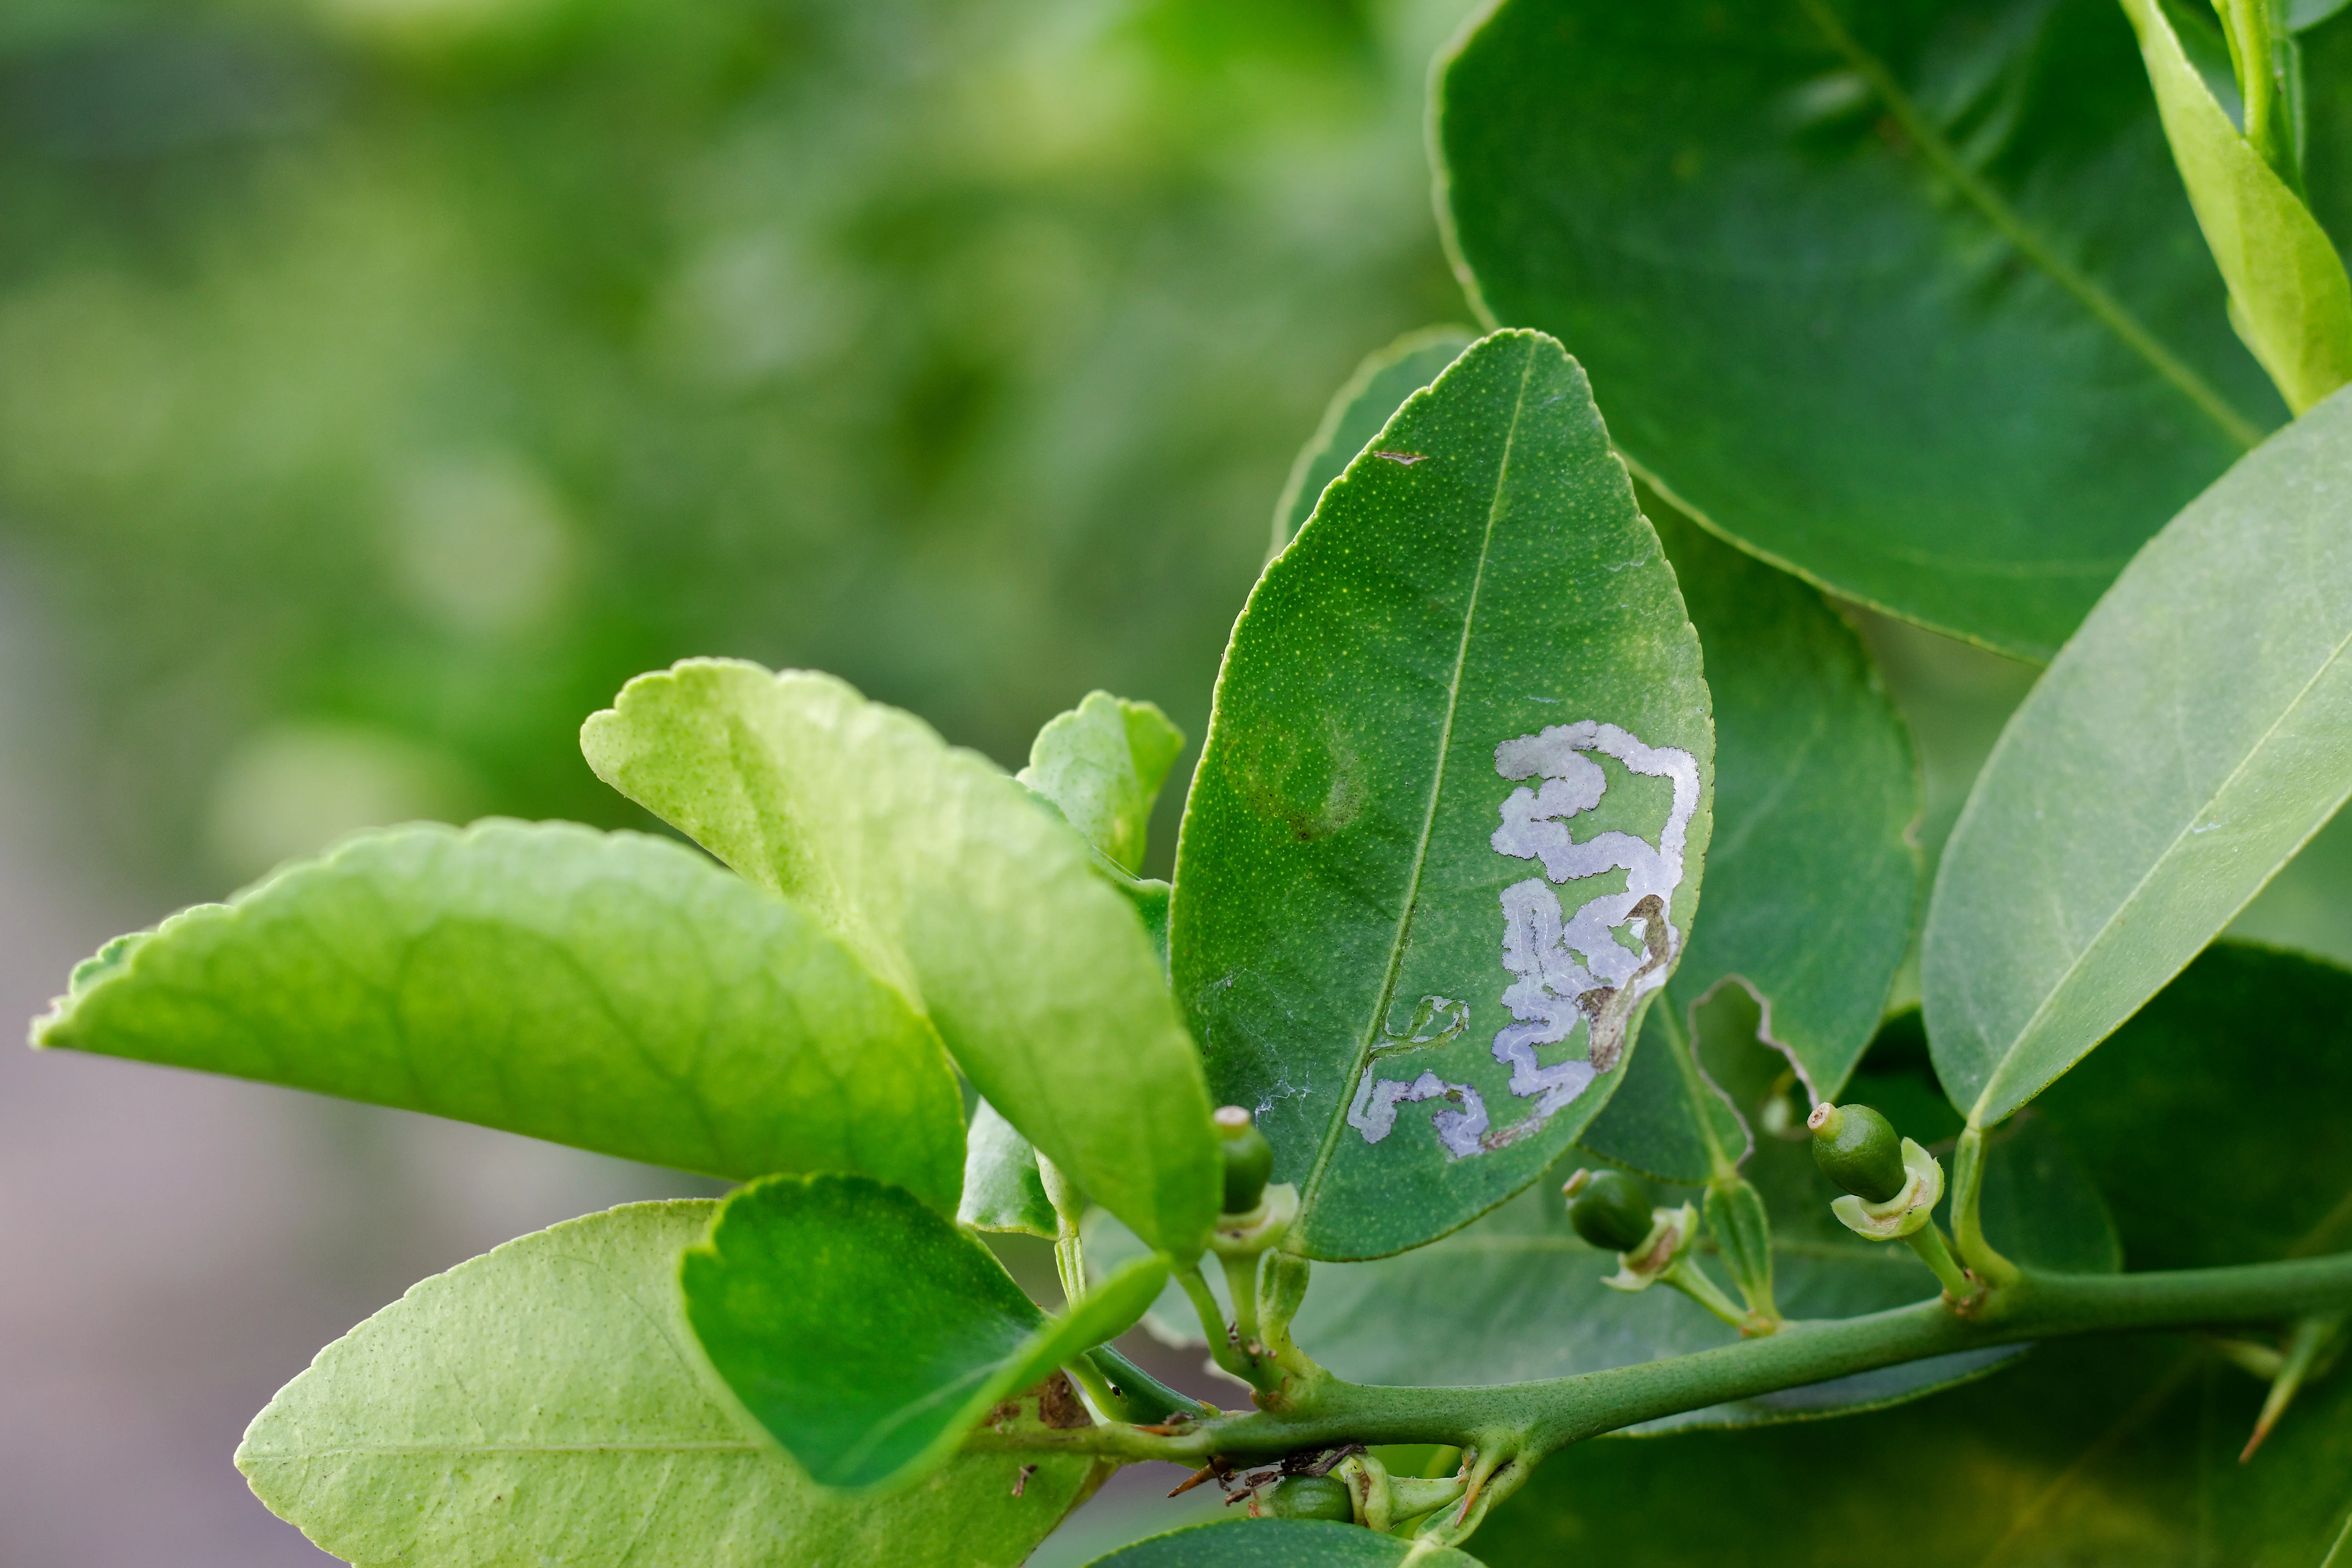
(382, 382)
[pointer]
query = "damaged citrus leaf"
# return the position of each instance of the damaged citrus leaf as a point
(544, 1403)
(869, 1335)
(2189, 739)
(608, 990)
(1519, 1295)
(950, 882)
(2289, 298)
(1357, 411)
(1811, 875)
(1101, 764)
(1282, 1543)
(1002, 1188)
(1906, 299)
(1391, 946)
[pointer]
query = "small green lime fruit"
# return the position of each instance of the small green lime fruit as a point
(1311, 1497)
(1249, 1158)
(1609, 1209)
(1859, 1149)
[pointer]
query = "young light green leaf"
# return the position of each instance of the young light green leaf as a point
(1811, 875)
(612, 991)
(952, 884)
(2188, 739)
(869, 1335)
(1474, 640)
(544, 1403)
(1001, 1189)
(1356, 414)
(1519, 1295)
(1903, 298)
(1281, 1544)
(1102, 764)
(2289, 298)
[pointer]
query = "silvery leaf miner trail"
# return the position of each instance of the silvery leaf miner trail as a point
(1389, 939)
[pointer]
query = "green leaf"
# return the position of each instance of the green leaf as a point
(1519, 1295)
(947, 879)
(1101, 764)
(869, 1335)
(1280, 1543)
(2289, 298)
(2212, 1121)
(2246, 1058)
(1905, 299)
(612, 991)
(1812, 874)
(1002, 1188)
(544, 1403)
(2188, 739)
(1476, 603)
(1356, 411)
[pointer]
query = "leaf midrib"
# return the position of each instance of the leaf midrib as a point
(2074, 965)
(1313, 1184)
(2104, 307)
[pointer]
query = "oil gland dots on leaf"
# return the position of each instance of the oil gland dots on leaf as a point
(1568, 973)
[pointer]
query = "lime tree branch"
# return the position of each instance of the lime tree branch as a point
(1531, 1419)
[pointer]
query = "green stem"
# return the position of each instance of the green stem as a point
(1686, 1276)
(1968, 1228)
(1539, 1417)
(1928, 1242)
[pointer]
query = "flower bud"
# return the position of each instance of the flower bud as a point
(1249, 1158)
(1310, 1497)
(1609, 1209)
(1859, 1149)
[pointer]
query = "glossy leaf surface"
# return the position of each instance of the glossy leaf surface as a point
(2288, 294)
(1101, 764)
(1476, 639)
(2191, 737)
(544, 1403)
(612, 991)
(2212, 1122)
(981, 907)
(1906, 298)
(1279, 1543)
(868, 1334)
(1001, 1189)
(1810, 875)
(1358, 410)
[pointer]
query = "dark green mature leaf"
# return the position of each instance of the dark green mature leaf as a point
(869, 1335)
(2188, 739)
(1358, 410)
(612, 991)
(1906, 298)
(544, 1404)
(953, 886)
(2117, 1453)
(1520, 1294)
(1101, 764)
(2247, 1056)
(2213, 1121)
(1002, 1188)
(1280, 1543)
(1812, 874)
(1366, 933)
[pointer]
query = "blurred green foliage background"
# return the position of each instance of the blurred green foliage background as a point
(384, 382)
